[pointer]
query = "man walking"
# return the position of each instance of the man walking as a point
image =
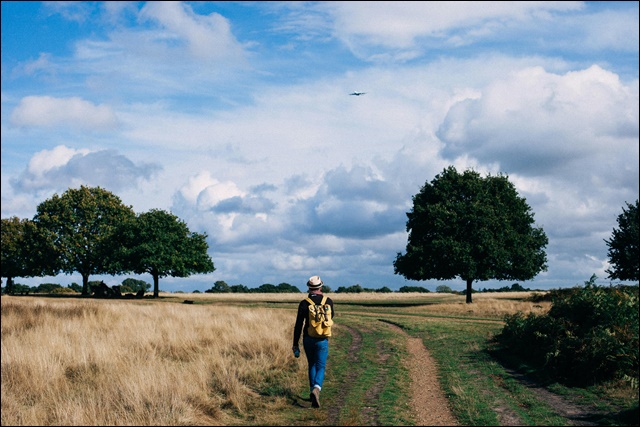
(316, 347)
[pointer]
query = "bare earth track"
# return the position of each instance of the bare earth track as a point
(427, 398)
(428, 401)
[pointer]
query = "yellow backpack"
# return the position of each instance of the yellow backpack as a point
(320, 321)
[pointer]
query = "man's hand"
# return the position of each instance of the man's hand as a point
(296, 351)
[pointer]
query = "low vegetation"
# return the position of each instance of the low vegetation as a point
(589, 335)
(225, 359)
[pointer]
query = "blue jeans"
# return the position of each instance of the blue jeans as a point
(317, 351)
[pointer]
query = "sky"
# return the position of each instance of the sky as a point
(237, 117)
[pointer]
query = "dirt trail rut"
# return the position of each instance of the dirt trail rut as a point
(427, 397)
(428, 402)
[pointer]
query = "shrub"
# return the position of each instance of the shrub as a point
(589, 335)
(413, 289)
(355, 289)
(47, 288)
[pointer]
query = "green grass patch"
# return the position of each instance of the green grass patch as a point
(479, 388)
(371, 386)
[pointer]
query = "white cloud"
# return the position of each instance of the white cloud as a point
(204, 192)
(70, 10)
(207, 37)
(236, 116)
(537, 121)
(41, 65)
(62, 167)
(74, 112)
(390, 30)
(46, 160)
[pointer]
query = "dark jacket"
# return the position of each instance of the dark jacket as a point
(303, 316)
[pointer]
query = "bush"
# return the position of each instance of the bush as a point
(589, 335)
(355, 289)
(61, 291)
(47, 288)
(413, 289)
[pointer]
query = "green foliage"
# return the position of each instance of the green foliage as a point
(281, 288)
(463, 225)
(75, 287)
(444, 289)
(25, 251)
(159, 243)
(239, 289)
(20, 289)
(354, 289)
(286, 288)
(92, 285)
(624, 254)
(134, 285)
(589, 335)
(13, 257)
(516, 287)
(47, 288)
(219, 286)
(80, 225)
(413, 289)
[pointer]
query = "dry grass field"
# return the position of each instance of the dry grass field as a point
(494, 305)
(88, 362)
(77, 361)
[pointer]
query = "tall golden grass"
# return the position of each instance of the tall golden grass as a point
(88, 362)
(76, 361)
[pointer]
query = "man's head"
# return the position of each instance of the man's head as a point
(314, 283)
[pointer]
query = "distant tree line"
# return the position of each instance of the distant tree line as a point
(134, 285)
(461, 225)
(128, 285)
(90, 231)
(221, 286)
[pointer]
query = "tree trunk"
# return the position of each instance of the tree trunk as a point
(156, 286)
(9, 288)
(469, 290)
(85, 285)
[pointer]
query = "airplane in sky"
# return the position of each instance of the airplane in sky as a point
(357, 93)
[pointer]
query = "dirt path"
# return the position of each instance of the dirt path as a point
(577, 415)
(429, 404)
(427, 397)
(333, 414)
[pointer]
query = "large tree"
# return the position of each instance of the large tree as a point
(159, 243)
(475, 228)
(81, 224)
(623, 246)
(20, 252)
(13, 256)
(25, 252)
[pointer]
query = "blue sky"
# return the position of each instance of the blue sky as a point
(236, 117)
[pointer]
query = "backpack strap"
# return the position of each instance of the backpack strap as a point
(324, 299)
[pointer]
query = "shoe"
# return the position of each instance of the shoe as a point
(315, 397)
